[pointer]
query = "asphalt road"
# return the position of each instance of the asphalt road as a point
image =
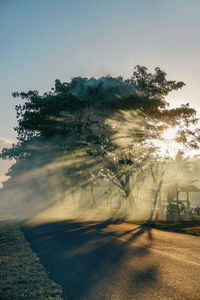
(106, 260)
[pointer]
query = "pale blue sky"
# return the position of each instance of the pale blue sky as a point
(41, 40)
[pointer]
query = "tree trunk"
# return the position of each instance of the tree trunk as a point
(92, 195)
(155, 202)
(154, 205)
(73, 195)
(129, 198)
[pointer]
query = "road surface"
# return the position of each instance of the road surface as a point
(118, 261)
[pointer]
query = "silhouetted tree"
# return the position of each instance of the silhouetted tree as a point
(91, 125)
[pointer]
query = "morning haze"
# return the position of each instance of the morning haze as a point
(99, 150)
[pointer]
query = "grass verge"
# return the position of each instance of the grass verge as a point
(22, 277)
(188, 227)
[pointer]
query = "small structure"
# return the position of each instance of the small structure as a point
(177, 207)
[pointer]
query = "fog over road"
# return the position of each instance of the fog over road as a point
(106, 260)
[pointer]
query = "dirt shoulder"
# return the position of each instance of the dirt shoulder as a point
(22, 276)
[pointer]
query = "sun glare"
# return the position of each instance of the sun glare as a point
(170, 133)
(167, 146)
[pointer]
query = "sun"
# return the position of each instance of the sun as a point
(167, 144)
(170, 134)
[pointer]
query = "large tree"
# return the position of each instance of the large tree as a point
(96, 126)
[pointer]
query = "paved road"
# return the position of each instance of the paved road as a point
(108, 261)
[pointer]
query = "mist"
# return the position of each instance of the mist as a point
(46, 195)
(86, 150)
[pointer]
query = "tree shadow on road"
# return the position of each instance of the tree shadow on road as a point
(94, 260)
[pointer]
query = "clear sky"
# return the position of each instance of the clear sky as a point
(41, 40)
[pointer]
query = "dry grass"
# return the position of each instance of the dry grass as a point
(22, 277)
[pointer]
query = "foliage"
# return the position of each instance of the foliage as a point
(106, 122)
